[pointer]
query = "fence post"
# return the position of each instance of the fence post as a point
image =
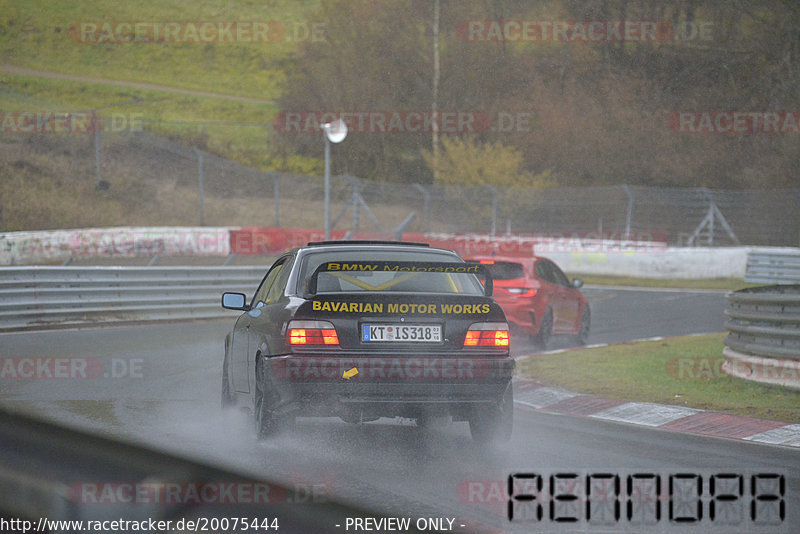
(797, 194)
(96, 127)
(494, 209)
(426, 206)
(712, 215)
(356, 201)
(200, 183)
(629, 215)
(276, 193)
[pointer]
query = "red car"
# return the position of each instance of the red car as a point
(538, 298)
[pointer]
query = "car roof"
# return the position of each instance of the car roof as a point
(366, 242)
(400, 246)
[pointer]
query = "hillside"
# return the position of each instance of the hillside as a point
(45, 34)
(550, 112)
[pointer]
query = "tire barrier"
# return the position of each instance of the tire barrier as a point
(763, 344)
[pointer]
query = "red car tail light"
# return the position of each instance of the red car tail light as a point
(521, 291)
(311, 333)
(487, 335)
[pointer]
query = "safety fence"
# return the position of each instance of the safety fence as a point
(34, 297)
(764, 340)
(177, 185)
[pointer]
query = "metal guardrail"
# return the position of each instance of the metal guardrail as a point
(34, 297)
(773, 267)
(763, 343)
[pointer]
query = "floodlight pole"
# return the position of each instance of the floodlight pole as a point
(339, 133)
(327, 186)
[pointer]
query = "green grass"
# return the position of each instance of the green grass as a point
(681, 371)
(31, 93)
(233, 130)
(707, 283)
(36, 35)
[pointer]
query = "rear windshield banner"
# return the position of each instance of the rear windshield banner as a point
(406, 266)
(352, 268)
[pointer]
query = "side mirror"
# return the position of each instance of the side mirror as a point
(235, 301)
(577, 283)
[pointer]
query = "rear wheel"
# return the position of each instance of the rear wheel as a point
(585, 326)
(267, 422)
(542, 337)
(494, 423)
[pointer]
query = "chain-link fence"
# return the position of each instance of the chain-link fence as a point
(139, 178)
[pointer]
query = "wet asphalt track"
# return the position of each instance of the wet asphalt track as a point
(171, 403)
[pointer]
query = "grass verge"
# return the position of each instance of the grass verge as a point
(683, 371)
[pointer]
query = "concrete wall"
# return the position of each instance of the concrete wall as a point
(647, 259)
(669, 263)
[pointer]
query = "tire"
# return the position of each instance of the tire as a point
(542, 337)
(586, 323)
(495, 423)
(267, 423)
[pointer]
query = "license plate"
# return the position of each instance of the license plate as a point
(401, 333)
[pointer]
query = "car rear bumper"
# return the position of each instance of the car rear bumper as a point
(521, 313)
(387, 386)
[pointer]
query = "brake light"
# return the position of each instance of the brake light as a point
(487, 335)
(311, 333)
(521, 291)
(487, 262)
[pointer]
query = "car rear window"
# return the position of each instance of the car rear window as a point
(405, 282)
(505, 270)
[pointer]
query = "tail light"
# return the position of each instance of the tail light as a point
(311, 333)
(521, 291)
(487, 335)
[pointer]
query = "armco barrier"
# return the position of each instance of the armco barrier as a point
(49, 296)
(764, 340)
(773, 266)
